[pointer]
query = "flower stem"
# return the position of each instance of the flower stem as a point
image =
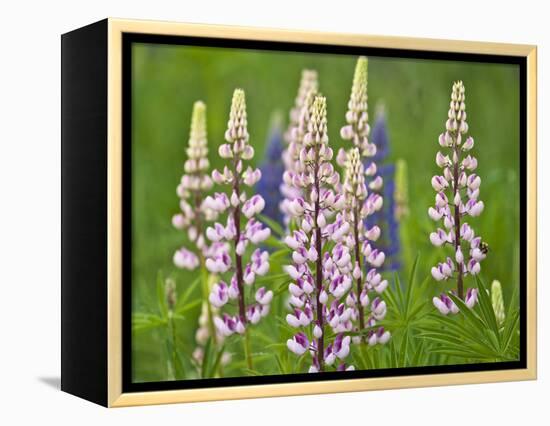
(205, 293)
(358, 260)
(459, 279)
(174, 350)
(247, 351)
(319, 269)
(239, 274)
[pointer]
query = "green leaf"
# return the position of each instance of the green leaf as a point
(487, 309)
(274, 242)
(509, 331)
(459, 330)
(418, 353)
(272, 278)
(161, 295)
(403, 350)
(142, 321)
(411, 283)
(182, 300)
(185, 308)
(399, 292)
(273, 225)
(206, 358)
(394, 355)
(212, 370)
(281, 253)
(468, 313)
(252, 372)
(282, 369)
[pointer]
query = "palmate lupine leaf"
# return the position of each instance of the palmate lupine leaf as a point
(186, 295)
(452, 343)
(143, 321)
(403, 350)
(406, 307)
(488, 314)
(473, 334)
(412, 281)
(279, 257)
(179, 313)
(161, 295)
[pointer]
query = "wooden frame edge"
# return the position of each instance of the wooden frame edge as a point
(116, 398)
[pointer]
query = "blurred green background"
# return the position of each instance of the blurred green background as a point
(166, 80)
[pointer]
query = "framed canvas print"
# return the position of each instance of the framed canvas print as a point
(250, 212)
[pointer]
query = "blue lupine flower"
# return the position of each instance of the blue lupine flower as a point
(389, 241)
(272, 173)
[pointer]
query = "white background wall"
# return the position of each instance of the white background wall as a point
(30, 211)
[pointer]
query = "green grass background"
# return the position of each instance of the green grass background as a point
(166, 80)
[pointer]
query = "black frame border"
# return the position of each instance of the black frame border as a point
(130, 38)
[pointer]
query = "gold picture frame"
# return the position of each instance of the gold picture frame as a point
(116, 397)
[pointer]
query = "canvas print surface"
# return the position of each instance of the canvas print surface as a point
(311, 213)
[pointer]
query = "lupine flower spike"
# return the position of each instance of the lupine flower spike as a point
(362, 189)
(360, 205)
(457, 197)
(320, 274)
(299, 116)
(240, 230)
(194, 182)
(272, 170)
(357, 129)
(387, 217)
(195, 213)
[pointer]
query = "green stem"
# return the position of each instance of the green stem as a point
(205, 294)
(174, 350)
(247, 351)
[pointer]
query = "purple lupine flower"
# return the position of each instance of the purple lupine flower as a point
(457, 196)
(194, 182)
(272, 170)
(363, 200)
(297, 128)
(320, 273)
(232, 234)
(388, 217)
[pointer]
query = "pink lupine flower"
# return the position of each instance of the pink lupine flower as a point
(219, 295)
(299, 116)
(471, 297)
(362, 200)
(228, 325)
(320, 273)
(194, 182)
(357, 128)
(457, 196)
(237, 204)
(445, 305)
(186, 259)
(299, 344)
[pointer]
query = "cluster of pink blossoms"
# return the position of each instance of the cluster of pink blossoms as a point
(294, 136)
(359, 205)
(235, 235)
(362, 201)
(457, 197)
(194, 182)
(321, 260)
